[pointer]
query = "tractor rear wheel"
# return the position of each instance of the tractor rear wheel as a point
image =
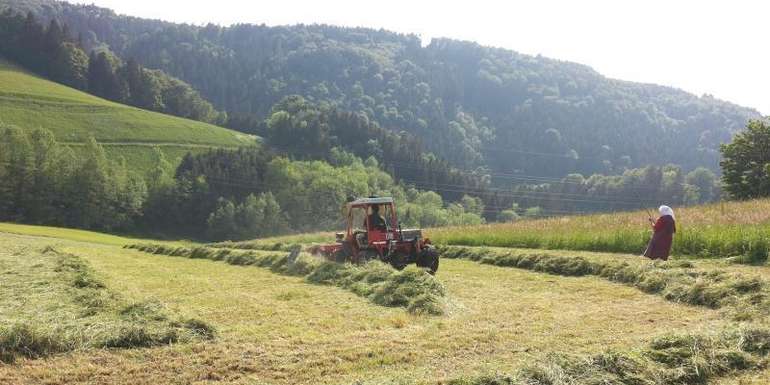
(428, 259)
(398, 260)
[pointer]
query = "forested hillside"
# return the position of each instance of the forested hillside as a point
(475, 106)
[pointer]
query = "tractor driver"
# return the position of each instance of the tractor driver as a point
(376, 221)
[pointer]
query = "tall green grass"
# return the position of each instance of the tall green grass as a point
(412, 288)
(735, 229)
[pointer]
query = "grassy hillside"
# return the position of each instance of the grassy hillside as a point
(29, 101)
(718, 230)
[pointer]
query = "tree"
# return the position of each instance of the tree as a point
(746, 162)
(17, 178)
(533, 212)
(90, 190)
(704, 181)
(102, 79)
(70, 66)
(143, 87)
(509, 215)
(274, 220)
(221, 223)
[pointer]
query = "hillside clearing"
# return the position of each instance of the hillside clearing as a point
(28, 101)
(279, 329)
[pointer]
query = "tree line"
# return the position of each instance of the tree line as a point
(52, 52)
(44, 182)
(217, 195)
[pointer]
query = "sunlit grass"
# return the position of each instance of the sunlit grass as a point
(717, 230)
(75, 234)
(278, 329)
(29, 102)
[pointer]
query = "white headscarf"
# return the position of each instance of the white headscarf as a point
(665, 210)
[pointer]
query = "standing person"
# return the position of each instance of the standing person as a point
(664, 229)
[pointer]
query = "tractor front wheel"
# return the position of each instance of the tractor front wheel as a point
(428, 259)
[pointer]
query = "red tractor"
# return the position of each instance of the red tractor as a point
(379, 237)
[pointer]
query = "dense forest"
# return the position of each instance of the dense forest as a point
(475, 106)
(53, 52)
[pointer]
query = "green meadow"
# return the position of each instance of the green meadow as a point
(28, 101)
(730, 229)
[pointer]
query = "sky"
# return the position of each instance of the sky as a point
(704, 47)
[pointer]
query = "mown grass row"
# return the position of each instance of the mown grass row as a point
(729, 229)
(254, 245)
(689, 359)
(104, 319)
(411, 288)
(677, 281)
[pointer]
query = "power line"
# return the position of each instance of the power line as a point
(522, 177)
(521, 195)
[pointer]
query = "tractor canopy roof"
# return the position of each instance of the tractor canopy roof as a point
(360, 202)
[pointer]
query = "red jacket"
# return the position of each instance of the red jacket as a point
(660, 244)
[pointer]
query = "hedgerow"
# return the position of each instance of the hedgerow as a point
(412, 288)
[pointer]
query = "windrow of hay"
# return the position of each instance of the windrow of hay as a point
(254, 245)
(677, 281)
(688, 359)
(104, 319)
(412, 288)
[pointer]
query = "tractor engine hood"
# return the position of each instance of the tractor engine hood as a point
(409, 235)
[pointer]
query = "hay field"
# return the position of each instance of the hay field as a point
(278, 329)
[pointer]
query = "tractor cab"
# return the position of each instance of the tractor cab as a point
(371, 222)
(372, 232)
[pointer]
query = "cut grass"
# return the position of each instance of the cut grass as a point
(53, 302)
(74, 234)
(677, 281)
(280, 329)
(282, 242)
(683, 359)
(731, 229)
(411, 288)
